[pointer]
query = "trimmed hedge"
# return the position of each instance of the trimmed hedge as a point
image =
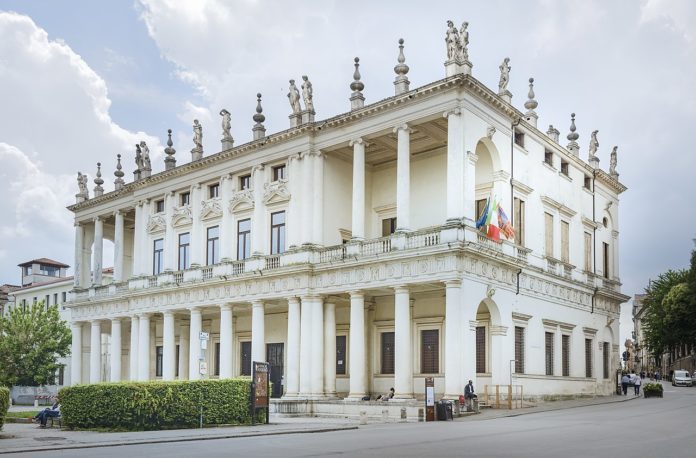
(137, 406)
(4, 404)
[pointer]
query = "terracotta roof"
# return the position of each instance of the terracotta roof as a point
(46, 261)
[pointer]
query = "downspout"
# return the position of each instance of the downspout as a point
(594, 238)
(512, 170)
(518, 281)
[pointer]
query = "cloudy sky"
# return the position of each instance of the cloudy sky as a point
(81, 81)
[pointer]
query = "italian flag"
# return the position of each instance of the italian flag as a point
(492, 222)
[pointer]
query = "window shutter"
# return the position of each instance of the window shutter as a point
(387, 353)
(565, 354)
(588, 252)
(565, 247)
(245, 359)
(588, 358)
(518, 219)
(548, 224)
(340, 355)
(549, 353)
(519, 350)
(430, 343)
(605, 358)
(606, 259)
(480, 349)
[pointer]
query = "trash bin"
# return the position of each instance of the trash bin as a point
(444, 410)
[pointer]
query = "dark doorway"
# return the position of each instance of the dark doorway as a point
(274, 356)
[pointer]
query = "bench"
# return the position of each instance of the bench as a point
(52, 422)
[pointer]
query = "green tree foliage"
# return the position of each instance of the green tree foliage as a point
(4, 404)
(32, 339)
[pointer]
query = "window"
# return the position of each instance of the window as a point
(278, 172)
(480, 207)
(564, 168)
(213, 245)
(548, 225)
(605, 359)
(159, 206)
(55, 298)
(548, 157)
(157, 256)
(605, 250)
(185, 198)
(61, 376)
(588, 183)
(245, 182)
(340, 355)
(588, 358)
(213, 190)
(519, 350)
(519, 138)
(588, 252)
(565, 355)
(565, 247)
(549, 353)
(387, 353)
(518, 218)
(34, 300)
(388, 226)
(47, 301)
(176, 363)
(245, 359)
(430, 351)
(217, 359)
(243, 239)
(184, 247)
(159, 353)
(50, 271)
(480, 349)
(277, 232)
(64, 297)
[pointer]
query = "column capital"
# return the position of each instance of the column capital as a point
(453, 283)
(357, 294)
(358, 141)
(168, 313)
(401, 289)
(294, 299)
(257, 303)
(77, 224)
(144, 315)
(97, 219)
(225, 307)
(116, 319)
(96, 322)
(472, 157)
(118, 212)
(403, 126)
(194, 309)
(453, 111)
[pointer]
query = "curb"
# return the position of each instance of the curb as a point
(181, 439)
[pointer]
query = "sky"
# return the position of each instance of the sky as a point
(81, 81)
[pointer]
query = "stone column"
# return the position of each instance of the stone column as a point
(403, 177)
(168, 347)
(195, 344)
(330, 349)
(79, 235)
(317, 347)
(294, 216)
(116, 349)
(226, 340)
(258, 218)
(306, 347)
(307, 236)
(184, 351)
(76, 354)
(197, 243)
(98, 250)
(144, 347)
(358, 386)
(95, 353)
(318, 197)
(403, 366)
(453, 350)
(358, 218)
(258, 337)
(87, 240)
(133, 356)
(171, 252)
(455, 165)
(292, 380)
(139, 240)
(227, 231)
(118, 247)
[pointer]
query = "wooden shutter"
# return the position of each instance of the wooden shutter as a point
(565, 354)
(480, 349)
(606, 259)
(588, 252)
(245, 359)
(548, 225)
(605, 358)
(387, 353)
(176, 364)
(519, 350)
(565, 246)
(217, 358)
(549, 353)
(518, 219)
(588, 358)
(159, 357)
(430, 351)
(340, 355)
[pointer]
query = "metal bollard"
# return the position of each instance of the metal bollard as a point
(363, 417)
(403, 414)
(385, 415)
(421, 415)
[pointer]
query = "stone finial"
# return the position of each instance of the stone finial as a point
(98, 190)
(259, 130)
(357, 100)
(227, 140)
(531, 104)
(573, 136)
(83, 193)
(553, 133)
(612, 163)
(197, 151)
(169, 160)
(118, 182)
(401, 81)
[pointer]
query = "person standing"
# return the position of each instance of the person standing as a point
(624, 383)
(636, 385)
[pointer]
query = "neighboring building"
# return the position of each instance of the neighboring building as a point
(5, 291)
(643, 358)
(344, 251)
(42, 270)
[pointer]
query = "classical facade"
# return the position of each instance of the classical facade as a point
(344, 251)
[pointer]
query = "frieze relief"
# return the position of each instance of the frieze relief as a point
(242, 200)
(182, 216)
(276, 192)
(211, 208)
(156, 223)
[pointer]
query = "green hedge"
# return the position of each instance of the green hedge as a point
(4, 404)
(136, 406)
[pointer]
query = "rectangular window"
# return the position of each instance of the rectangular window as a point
(185, 198)
(548, 157)
(588, 358)
(277, 232)
(213, 245)
(519, 350)
(184, 247)
(387, 353)
(564, 168)
(61, 375)
(549, 353)
(605, 250)
(245, 182)
(217, 358)
(588, 183)
(565, 242)
(388, 226)
(278, 172)
(480, 207)
(176, 363)
(47, 301)
(519, 139)
(605, 359)
(159, 355)
(245, 358)
(518, 218)
(64, 297)
(243, 239)
(55, 298)
(430, 351)
(341, 355)
(213, 190)
(565, 355)
(157, 256)
(159, 206)
(480, 349)
(548, 231)
(588, 252)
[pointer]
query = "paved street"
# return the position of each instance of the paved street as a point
(640, 427)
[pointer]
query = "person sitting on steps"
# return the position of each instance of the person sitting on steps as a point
(386, 396)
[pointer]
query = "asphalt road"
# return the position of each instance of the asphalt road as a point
(639, 428)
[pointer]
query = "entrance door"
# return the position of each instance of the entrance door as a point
(274, 356)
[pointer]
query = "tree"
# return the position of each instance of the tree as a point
(32, 339)
(661, 314)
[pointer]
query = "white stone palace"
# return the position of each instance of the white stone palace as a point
(344, 251)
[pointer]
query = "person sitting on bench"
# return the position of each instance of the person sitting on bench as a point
(42, 417)
(469, 393)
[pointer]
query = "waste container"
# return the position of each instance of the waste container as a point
(444, 410)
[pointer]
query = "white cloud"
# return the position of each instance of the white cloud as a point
(677, 15)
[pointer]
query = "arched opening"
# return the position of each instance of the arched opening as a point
(486, 166)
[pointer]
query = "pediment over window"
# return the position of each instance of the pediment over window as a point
(181, 216)
(156, 223)
(211, 208)
(276, 192)
(241, 201)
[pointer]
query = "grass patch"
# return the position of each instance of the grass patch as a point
(24, 414)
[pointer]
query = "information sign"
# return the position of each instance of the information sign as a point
(259, 389)
(429, 399)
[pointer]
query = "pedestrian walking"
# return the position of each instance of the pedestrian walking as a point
(636, 386)
(624, 383)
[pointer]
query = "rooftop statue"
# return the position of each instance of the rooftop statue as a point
(307, 94)
(452, 41)
(504, 75)
(594, 145)
(462, 47)
(294, 96)
(197, 135)
(82, 185)
(226, 123)
(138, 158)
(145, 154)
(612, 162)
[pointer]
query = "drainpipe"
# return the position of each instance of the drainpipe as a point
(518, 281)
(512, 170)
